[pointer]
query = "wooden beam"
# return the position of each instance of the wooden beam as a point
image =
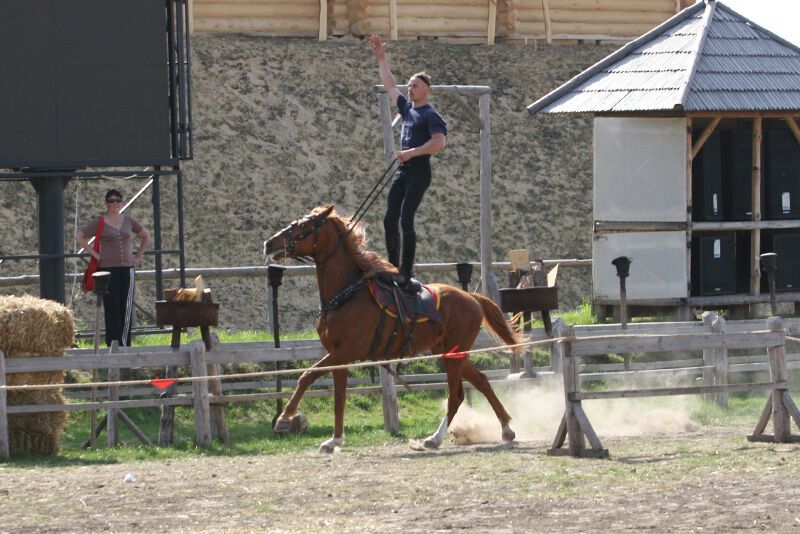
(704, 136)
(323, 20)
(755, 235)
(548, 25)
(492, 22)
(793, 127)
(5, 446)
(688, 390)
(688, 193)
(476, 119)
(393, 19)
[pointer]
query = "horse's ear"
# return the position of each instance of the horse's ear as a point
(326, 211)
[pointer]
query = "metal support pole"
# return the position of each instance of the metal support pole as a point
(181, 253)
(464, 271)
(769, 262)
(623, 265)
(50, 201)
(275, 278)
(157, 234)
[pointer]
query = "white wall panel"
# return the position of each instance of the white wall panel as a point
(658, 265)
(639, 169)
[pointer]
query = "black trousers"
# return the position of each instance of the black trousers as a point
(118, 305)
(405, 195)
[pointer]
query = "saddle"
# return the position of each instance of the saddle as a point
(410, 307)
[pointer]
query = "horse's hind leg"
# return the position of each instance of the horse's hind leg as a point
(454, 399)
(481, 383)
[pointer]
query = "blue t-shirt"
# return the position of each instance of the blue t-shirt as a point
(419, 124)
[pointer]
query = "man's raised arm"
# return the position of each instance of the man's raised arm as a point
(379, 49)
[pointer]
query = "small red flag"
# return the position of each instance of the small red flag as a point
(453, 355)
(162, 383)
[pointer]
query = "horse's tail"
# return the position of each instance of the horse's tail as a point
(494, 318)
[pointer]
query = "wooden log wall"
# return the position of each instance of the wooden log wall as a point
(407, 19)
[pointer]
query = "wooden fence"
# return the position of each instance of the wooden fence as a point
(546, 20)
(712, 336)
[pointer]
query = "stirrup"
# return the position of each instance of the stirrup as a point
(409, 284)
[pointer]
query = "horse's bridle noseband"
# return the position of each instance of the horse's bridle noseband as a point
(291, 240)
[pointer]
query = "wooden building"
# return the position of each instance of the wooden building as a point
(696, 161)
(484, 20)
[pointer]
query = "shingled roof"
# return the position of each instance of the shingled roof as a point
(705, 58)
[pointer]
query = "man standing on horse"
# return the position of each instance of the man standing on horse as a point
(424, 133)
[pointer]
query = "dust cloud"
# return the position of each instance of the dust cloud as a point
(537, 410)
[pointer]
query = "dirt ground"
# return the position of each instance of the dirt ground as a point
(709, 480)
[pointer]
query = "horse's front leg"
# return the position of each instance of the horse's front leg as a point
(284, 421)
(339, 398)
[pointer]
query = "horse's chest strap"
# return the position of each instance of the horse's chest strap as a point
(342, 296)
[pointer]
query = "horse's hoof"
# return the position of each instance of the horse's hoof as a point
(508, 434)
(432, 443)
(330, 446)
(297, 424)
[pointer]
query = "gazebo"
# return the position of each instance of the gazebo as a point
(696, 162)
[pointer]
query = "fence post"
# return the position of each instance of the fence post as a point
(202, 419)
(570, 376)
(709, 355)
(391, 417)
(219, 427)
(556, 349)
(720, 363)
(778, 373)
(5, 446)
(112, 423)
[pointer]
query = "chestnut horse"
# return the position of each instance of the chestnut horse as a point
(349, 319)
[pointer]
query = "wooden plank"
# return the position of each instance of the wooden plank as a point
(323, 20)
(732, 300)
(713, 226)
(721, 363)
(620, 344)
(97, 361)
(202, 414)
(272, 355)
(561, 433)
(491, 23)
(688, 186)
(586, 426)
(779, 375)
(133, 428)
(607, 227)
(686, 390)
(392, 19)
(286, 10)
(86, 406)
(5, 444)
(766, 438)
(793, 127)
(766, 413)
(474, 117)
(277, 27)
(654, 366)
(704, 136)
(391, 413)
(661, 6)
(791, 407)
(486, 194)
(112, 424)
(548, 25)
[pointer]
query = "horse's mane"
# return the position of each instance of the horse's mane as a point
(367, 261)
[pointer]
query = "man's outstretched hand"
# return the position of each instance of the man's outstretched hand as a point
(378, 47)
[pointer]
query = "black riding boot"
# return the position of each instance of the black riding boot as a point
(393, 247)
(407, 264)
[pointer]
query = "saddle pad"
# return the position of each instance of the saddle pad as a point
(424, 305)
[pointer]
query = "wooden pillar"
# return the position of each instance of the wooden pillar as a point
(219, 426)
(202, 419)
(391, 417)
(5, 445)
(112, 425)
(778, 373)
(688, 205)
(323, 20)
(717, 358)
(488, 284)
(709, 355)
(492, 22)
(548, 27)
(393, 19)
(570, 375)
(755, 235)
(389, 148)
(556, 349)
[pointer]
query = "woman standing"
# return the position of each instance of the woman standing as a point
(116, 257)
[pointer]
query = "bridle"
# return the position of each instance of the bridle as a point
(291, 241)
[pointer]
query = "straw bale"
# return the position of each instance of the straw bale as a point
(30, 328)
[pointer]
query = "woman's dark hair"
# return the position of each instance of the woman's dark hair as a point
(113, 193)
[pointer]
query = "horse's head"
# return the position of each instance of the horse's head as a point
(300, 238)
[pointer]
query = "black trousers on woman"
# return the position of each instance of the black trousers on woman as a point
(118, 305)
(405, 195)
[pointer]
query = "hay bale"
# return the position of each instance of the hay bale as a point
(30, 328)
